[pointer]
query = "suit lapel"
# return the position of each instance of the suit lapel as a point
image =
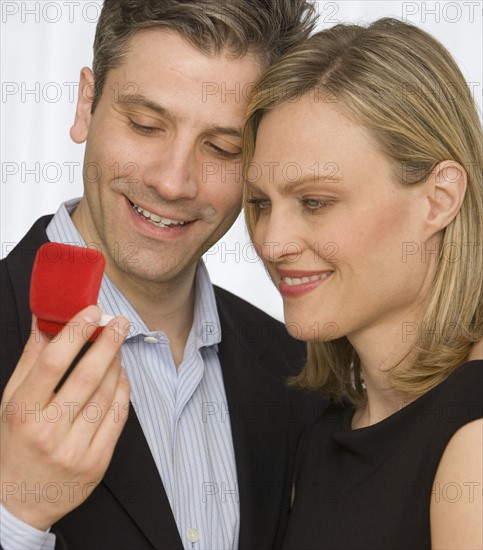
(19, 264)
(256, 403)
(144, 497)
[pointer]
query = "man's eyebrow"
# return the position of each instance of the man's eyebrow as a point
(137, 99)
(227, 130)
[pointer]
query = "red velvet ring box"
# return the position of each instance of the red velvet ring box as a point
(65, 280)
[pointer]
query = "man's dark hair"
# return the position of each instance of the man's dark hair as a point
(266, 28)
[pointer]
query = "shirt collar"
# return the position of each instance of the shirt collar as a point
(206, 329)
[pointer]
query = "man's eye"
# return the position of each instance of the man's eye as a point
(222, 152)
(147, 130)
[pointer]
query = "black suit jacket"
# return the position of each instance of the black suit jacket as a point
(129, 509)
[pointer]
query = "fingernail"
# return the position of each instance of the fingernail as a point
(92, 314)
(124, 327)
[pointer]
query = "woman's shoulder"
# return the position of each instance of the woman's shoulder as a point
(456, 516)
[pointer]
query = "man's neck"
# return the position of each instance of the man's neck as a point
(167, 308)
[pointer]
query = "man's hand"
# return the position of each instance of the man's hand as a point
(56, 447)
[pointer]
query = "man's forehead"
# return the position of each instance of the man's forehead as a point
(153, 51)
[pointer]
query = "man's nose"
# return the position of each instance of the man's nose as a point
(173, 171)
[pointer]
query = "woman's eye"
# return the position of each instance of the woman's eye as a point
(261, 204)
(314, 204)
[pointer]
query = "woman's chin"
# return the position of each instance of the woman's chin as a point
(313, 331)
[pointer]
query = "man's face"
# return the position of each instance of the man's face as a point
(162, 172)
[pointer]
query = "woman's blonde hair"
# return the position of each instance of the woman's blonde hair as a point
(403, 86)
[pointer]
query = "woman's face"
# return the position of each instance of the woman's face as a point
(341, 238)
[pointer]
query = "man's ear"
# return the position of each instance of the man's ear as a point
(80, 128)
(446, 187)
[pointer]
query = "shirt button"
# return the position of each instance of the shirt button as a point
(150, 340)
(193, 535)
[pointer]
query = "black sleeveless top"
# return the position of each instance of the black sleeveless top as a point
(370, 488)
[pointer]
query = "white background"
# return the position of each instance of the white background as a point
(44, 45)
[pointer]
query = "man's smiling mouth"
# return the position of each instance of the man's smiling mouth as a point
(156, 220)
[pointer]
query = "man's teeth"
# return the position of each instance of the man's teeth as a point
(155, 219)
(292, 281)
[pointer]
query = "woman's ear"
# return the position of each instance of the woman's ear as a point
(85, 97)
(446, 188)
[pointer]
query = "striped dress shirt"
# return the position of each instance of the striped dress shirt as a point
(192, 448)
